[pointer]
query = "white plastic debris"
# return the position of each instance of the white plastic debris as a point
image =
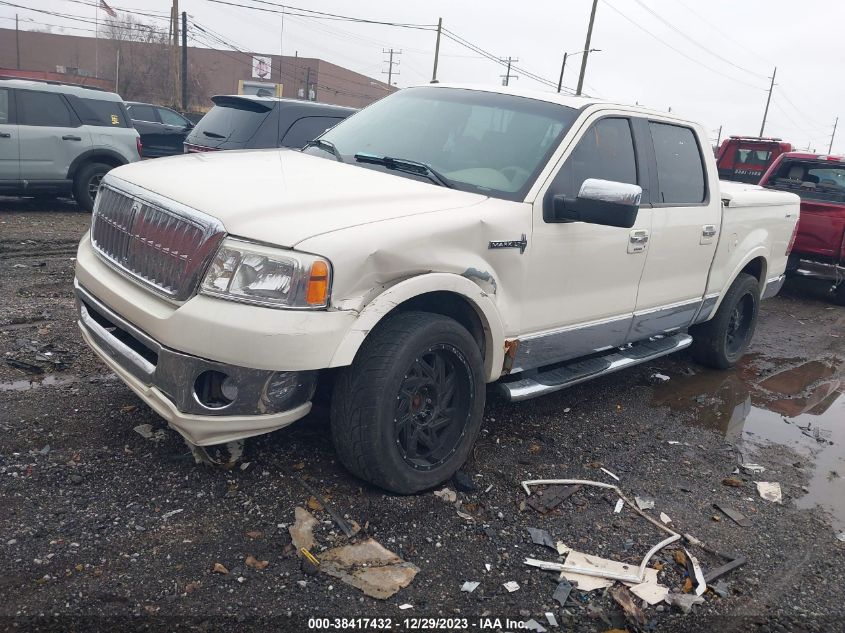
(841, 536)
(469, 586)
(673, 442)
(533, 625)
(701, 585)
(586, 583)
(660, 377)
(665, 518)
(770, 491)
(643, 503)
(550, 618)
(169, 514)
(752, 469)
(446, 494)
(619, 504)
(405, 606)
(684, 601)
(562, 548)
(610, 474)
(511, 586)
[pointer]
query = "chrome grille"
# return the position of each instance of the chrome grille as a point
(161, 243)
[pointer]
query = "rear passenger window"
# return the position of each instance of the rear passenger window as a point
(142, 113)
(307, 129)
(605, 152)
(680, 170)
(103, 113)
(169, 117)
(44, 108)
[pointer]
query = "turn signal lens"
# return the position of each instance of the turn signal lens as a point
(318, 284)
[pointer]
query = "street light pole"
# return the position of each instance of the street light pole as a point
(562, 68)
(587, 48)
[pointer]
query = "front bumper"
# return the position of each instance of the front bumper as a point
(175, 385)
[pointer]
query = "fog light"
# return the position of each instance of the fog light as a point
(288, 389)
(215, 390)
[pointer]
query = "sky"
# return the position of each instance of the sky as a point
(707, 61)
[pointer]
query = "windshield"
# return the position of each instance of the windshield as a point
(483, 142)
(811, 180)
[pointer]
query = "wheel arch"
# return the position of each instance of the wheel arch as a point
(107, 156)
(755, 264)
(447, 294)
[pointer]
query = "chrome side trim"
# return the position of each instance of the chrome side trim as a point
(772, 287)
(531, 387)
(537, 350)
(666, 318)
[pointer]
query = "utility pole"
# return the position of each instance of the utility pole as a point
(587, 48)
(390, 64)
(507, 77)
(184, 61)
(719, 138)
(308, 84)
(117, 72)
(768, 101)
(17, 42)
(562, 68)
(174, 43)
(833, 136)
(436, 51)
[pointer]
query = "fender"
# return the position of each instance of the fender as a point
(93, 154)
(384, 303)
(760, 251)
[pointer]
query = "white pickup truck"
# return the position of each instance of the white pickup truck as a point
(440, 239)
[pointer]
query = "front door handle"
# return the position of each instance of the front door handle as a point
(637, 240)
(71, 137)
(708, 232)
(5, 135)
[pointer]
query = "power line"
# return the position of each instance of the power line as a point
(693, 41)
(678, 51)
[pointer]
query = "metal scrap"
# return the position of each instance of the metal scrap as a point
(341, 522)
(561, 594)
(551, 497)
(734, 515)
(542, 537)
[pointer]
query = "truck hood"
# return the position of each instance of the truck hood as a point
(284, 196)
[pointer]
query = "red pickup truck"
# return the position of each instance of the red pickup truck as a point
(819, 247)
(746, 158)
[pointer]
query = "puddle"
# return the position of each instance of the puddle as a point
(801, 407)
(47, 381)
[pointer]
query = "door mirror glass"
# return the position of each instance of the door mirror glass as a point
(601, 202)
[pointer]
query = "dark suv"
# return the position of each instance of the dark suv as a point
(162, 130)
(251, 122)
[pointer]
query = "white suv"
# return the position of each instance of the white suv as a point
(56, 138)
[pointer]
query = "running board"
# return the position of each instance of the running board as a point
(580, 370)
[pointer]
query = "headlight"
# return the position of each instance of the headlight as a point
(252, 273)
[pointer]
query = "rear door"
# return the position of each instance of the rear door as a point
(684, 232)
(174, 130)
(9, 157)
(51, 135)
(145, 120)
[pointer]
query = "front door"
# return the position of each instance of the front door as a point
(9, 158)
(51, 135)
(582, 283)
(684, 233)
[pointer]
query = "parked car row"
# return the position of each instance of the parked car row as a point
(57, 138)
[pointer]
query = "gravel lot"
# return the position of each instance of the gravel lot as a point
(104, 529)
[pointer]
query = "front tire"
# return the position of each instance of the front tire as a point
(722, 341)
(406, 413)
(86, 182)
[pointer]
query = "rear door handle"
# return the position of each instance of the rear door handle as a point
(71, 137)
(5, 135)
(708, 232)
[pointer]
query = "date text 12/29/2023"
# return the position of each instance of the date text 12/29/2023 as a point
(417, 624)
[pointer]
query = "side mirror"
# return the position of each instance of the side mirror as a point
(601, 202)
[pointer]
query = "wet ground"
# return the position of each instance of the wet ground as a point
(105, 526)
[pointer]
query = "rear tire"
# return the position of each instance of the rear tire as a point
(406, 413)
(86, 182)
(722, 341)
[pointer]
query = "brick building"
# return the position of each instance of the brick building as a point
(211, 71)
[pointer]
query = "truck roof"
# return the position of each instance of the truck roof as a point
(570, 101)
(813, 156)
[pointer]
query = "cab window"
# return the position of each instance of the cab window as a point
(680, 168)
(44, 109)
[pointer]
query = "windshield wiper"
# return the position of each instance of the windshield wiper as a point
(326, 146)
(406, 165)
(213, 134)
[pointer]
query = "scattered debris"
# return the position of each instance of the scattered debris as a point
(541, 537)
(644, 503)
(733, 482)
(684, 601)
(625, 600)
(734, 515)
(446, 494)
(405, 606)
(610, 474)
(561, 594)
(721, 589)
(586, 583)
(370, 567)
(752, 469)
(562, 548)
(311, 559)
(619, 504)
(469, 586)
(302, 530)
(770, 491)
(650, 590)
(254, 534)
(313, 504)
(841, 536)
(171, 513)
(511, 586)
(659, 378)
(695, 572)
(219, 568)
(550, 618)
(254, 563)
(533, 625)
(550, 498)
(320, 501)
(144, 430)
(665, 518)
(680, 557)
(733, 560)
